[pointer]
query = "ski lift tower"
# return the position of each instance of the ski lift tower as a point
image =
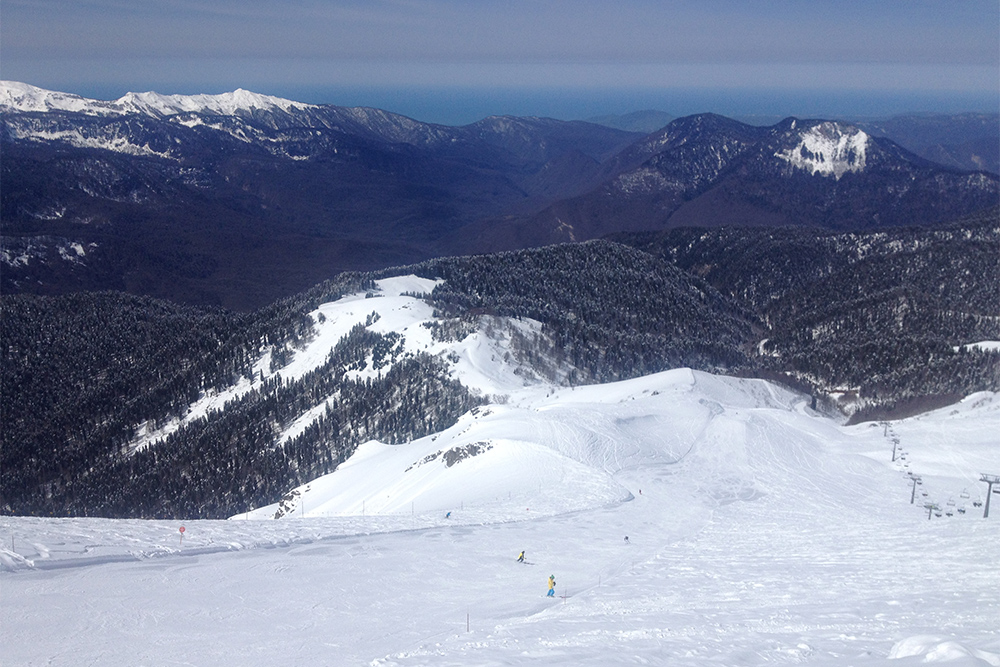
(990, 481)
(916, 480)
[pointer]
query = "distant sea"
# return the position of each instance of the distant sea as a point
(463, 105)
(460, 106)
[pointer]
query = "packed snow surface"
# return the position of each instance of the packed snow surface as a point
(758, 532)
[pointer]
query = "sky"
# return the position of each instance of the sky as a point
(456, 61)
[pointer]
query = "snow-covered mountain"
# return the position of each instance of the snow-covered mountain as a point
(262, 116)
(359, 188)
(587, 437)
(687, 518)
(17, 96)
(354, 187)
(244, 115)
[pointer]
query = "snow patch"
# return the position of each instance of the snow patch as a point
(829, 149)
(74, 137)
(983, 345)
(641, 181)
(22, 251)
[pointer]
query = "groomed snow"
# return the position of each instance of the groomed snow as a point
(763, 534)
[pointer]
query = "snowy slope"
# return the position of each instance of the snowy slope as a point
(17, 96)
(583, 437)
(480, 360)
(764, 534)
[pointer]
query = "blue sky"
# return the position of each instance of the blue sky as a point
(456, 61)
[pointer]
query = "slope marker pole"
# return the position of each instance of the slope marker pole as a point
(990, 481)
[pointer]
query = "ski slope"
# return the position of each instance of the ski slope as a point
(760, 533)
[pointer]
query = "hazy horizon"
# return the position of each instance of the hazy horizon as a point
(453, 62)
(460, 106)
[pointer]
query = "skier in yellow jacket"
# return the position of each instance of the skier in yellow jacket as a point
(552, 586)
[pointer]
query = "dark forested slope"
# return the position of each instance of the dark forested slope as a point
(881, 312)
(886, 317)
(612, 312)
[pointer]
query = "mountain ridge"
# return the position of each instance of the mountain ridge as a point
(239, 210)
(798, 172)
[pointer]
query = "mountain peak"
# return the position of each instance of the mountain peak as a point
(227, 104)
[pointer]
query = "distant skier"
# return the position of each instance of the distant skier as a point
(448, 515)
(552, 586)
(626, 539)
(520, 559)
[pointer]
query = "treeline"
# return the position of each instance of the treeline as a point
(608, 312)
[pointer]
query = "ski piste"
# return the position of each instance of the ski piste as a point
(765, 534)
